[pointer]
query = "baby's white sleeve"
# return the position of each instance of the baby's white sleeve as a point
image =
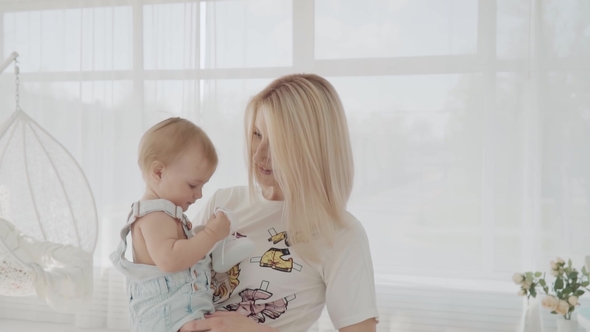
(350, 282)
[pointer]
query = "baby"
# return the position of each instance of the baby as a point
(168, 280)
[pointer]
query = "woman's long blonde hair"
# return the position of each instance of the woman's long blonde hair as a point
(310, 153)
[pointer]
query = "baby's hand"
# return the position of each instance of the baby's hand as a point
(218, 226)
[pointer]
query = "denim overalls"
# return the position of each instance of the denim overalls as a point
(160, 301)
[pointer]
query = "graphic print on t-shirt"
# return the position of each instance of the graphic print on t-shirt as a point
(274, 258)
(260, 311)
(223, 284)
(278, 237)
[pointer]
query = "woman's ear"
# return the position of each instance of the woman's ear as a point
(157, 171)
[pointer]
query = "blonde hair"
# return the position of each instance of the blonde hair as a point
(167, 140)
(310, 152)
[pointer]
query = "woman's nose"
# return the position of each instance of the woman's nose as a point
(261, 154)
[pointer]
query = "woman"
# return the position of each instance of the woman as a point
(309, 250)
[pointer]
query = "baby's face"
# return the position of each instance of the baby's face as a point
(183, 180)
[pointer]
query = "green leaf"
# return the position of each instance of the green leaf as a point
(538, 274)
(584, 270)
(585, 283)
(569, 263)
(558, 283)
(546, 289)
(533, 292)
(566, 291)
(542, 282)
(573, 275)
(528, 274)
(579, 293)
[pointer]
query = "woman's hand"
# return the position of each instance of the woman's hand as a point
(222, 321)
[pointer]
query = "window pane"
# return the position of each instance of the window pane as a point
(377, 28)
(507, 165)
(170, 98)
(246, 34)
(229, 97)
(170, 35)
(60, 107)
(565, 168)
(70, 39)
(418, 167)
(512, 29)
(566, 27)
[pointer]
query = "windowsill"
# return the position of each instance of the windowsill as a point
(25, 326)
(485, 286)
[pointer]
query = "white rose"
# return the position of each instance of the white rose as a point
(553, 265)
(550, 302)
(573, 300)
(522, 292)
(560, 261)
(518, 278)
(562, 307)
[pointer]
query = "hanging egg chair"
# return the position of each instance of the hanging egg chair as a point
(48, 219)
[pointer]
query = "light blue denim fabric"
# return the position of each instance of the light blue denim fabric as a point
(160, 301)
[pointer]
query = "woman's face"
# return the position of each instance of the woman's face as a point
(262, 162)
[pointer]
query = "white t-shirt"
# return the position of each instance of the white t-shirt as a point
(276, 287)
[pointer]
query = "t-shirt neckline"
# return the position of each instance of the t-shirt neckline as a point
(268, 201)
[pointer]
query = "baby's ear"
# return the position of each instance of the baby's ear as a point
(156, 171)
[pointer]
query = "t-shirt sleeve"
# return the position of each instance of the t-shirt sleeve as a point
(350, 282)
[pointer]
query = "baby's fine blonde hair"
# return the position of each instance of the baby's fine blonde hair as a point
(167, 140)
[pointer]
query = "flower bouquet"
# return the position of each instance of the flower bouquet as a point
(563, 294)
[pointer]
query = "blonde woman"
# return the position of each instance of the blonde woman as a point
(310, 251)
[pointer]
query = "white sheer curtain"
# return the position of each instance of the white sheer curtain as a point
(470, 124)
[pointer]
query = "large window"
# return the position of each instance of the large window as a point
(470, 121)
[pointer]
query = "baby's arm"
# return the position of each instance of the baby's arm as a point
(171, 254)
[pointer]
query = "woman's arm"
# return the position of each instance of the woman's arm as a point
(221, 321)
(370, 325)
(231, 321)
(347, 270)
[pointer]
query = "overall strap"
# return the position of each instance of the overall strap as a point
(142, 208)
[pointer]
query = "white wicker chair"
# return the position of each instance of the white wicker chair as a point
(46, 248)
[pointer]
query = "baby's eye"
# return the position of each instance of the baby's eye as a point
(191, 186)
(257, 134)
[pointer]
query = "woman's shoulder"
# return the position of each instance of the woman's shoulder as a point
(352, 226)
(349, 247)
(351, 233)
